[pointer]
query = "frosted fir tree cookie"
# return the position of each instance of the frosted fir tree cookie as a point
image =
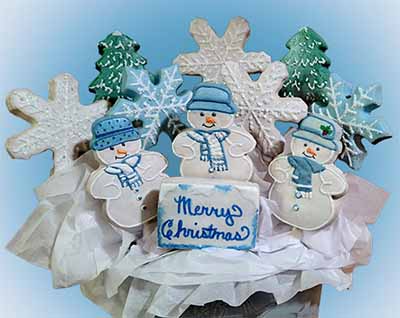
(128, 177)
(214, 147)
(307, 181)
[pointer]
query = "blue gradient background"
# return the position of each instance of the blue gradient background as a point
(42, 38)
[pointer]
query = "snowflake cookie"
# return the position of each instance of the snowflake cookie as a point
(155, 104)
(260, 105)
(59, 124)
(215, 52)
(352, 110)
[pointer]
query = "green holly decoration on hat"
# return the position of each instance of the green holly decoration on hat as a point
(117, 51)
(307, 66)
(326, 130)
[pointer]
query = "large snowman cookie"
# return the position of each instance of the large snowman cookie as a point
(214, 148)
(307, 181)
(128, 178)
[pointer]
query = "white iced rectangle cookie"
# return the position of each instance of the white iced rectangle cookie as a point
(198, 213)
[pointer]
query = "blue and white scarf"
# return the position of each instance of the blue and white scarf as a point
(303, 171)
(126, 172)
(211, 147)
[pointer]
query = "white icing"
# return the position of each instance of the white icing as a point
(234, 148)
(215, 51)
(134, 203)
(59, 124)
(307, 210)
(196, 213)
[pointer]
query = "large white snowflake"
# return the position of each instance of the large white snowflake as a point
(59, 124)
(260, 105)
(155, 103)
(215, 52)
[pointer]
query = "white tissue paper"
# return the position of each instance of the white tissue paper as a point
(128, 275)
(68, 232)
(150, 281)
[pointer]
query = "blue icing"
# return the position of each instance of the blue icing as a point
(211, 232)
(223, 187)
(185, 207)
(184, 186)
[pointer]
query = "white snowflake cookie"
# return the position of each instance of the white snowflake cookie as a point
(210, 61)
(306, 182)
(128, 178)
(214, 148)
(59, 124)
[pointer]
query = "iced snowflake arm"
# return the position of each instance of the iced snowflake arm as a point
(152, 164)
(260, 106)
(58, 124)
(333, 181)
(154, 104)
(215, 51)
(279, 169)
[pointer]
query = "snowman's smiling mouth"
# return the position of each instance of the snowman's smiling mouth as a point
(308, 156)
(120, 157)
(208, 126)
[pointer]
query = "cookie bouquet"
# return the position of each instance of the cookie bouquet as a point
(259, 216)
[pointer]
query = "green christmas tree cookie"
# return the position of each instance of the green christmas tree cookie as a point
(307, 66)
(117, 51)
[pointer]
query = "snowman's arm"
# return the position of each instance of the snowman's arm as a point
(102, 185)
(151, 165)
(183, 146)
(241, 143)
(279, 169)
(333, 181)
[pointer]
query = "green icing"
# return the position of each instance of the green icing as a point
(117, 51)
(307, 67)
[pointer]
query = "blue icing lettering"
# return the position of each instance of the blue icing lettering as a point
(223, 187)
(184, 207)
(209, 233)
(184, 187)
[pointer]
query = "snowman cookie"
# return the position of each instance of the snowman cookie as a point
(128, 178)
(306, 182)
(214, 148)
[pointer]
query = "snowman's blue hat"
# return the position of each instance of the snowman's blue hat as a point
(321, 131)
(212, 97)
(111, 131)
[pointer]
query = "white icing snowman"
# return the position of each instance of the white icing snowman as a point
(214, 148)
(128, 178)
(307, 181)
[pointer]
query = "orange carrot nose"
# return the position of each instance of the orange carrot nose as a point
(311, 151)
(210, 120)
(121, 151)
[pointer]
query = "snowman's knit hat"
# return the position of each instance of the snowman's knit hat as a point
(212, 97)
(111, 131)
(321, 131)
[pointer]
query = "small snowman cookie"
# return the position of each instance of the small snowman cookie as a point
(128, 178)
(307, 181)
(214, 148)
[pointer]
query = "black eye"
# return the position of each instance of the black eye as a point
(317, 148)
(111, 148)
(123, 144)
(213, 114)
(202, 114)
(305, 145)
(139, 198)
